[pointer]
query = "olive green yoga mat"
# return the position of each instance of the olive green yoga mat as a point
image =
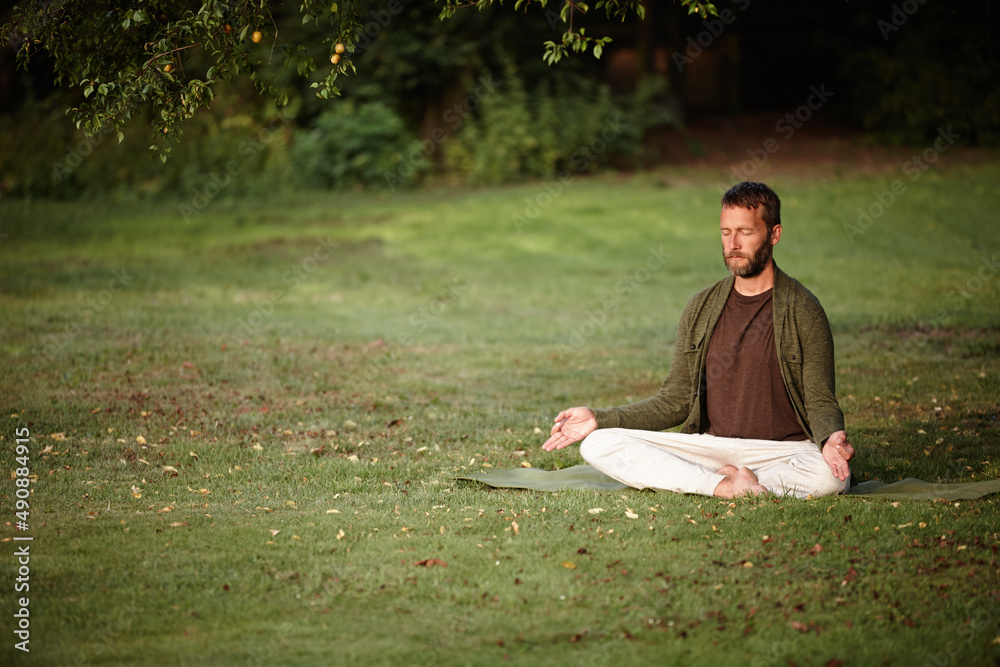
(587, 478)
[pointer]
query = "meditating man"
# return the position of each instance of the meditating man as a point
(751, 383)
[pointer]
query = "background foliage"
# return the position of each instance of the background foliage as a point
(937, 68)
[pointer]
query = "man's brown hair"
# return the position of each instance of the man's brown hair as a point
(751, 195)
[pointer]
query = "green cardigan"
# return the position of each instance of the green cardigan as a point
(804, 347)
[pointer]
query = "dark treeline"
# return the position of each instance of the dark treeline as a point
(469, 99)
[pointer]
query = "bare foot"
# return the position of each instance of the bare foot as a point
(742, 482)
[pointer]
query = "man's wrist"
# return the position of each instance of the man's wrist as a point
(822, 443)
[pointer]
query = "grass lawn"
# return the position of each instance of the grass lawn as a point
(244, 431)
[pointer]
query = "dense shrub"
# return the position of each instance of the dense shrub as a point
(573, 125)
(45, 156)
(353, 144)
(926, 70)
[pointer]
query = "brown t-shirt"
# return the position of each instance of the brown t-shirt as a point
(745, 395)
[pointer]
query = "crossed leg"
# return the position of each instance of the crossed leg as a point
(710, 466)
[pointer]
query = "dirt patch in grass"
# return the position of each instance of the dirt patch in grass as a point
(817, 149)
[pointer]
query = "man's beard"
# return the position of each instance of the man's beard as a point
(754, 266)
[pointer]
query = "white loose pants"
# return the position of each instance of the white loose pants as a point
(687, 463)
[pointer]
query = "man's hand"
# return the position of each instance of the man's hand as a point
(571, 426)
(837, 452)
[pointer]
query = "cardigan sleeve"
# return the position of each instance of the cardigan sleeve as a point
(819, 380)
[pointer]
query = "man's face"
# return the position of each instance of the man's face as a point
(746, 247)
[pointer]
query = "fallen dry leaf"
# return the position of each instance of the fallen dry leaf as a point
(273, 532)
(569, 565)
(431, 562)
(177, 524)
(816, 549)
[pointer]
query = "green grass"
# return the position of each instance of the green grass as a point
(180, 420)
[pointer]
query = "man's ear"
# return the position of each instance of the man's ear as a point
(775, 234)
